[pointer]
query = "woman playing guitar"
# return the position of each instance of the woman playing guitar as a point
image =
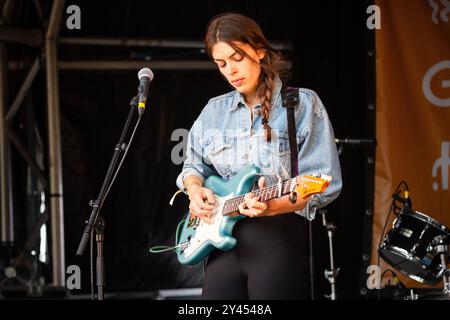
(248, 127)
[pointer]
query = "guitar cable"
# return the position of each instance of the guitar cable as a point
(159, 249)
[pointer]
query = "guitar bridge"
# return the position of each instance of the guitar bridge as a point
(183, 246)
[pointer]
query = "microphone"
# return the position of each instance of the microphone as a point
(407, 206)
(145, 76)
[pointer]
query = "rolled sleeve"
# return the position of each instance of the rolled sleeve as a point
(318, 155)
(309, 211)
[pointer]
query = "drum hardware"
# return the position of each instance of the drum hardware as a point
(332, 273)
(442, 249)
(411, 296)
(409, 245)
(438, 250)
(418, 246)
(397, 206)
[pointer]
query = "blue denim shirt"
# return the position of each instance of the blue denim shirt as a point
(226, 137)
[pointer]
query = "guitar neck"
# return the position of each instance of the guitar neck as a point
(265, 194)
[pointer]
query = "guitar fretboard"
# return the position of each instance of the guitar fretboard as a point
(232, 205)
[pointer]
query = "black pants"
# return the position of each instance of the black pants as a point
(270, 261)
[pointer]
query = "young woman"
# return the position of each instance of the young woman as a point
(248, 127)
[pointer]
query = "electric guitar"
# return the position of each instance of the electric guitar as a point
(198, 239)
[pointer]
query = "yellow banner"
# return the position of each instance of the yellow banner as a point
(413, 121)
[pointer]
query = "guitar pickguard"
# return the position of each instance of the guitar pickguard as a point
(205, 232)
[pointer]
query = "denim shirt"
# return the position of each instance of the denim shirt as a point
(226, 137)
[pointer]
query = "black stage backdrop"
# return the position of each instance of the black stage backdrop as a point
(328, 38)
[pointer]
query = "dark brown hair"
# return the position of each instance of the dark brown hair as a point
(233, 27)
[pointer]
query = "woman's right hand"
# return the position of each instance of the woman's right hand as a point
(202, 202)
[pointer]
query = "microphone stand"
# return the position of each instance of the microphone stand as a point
(95, 218)
(100, 270)
(331, 274)
(352, 142)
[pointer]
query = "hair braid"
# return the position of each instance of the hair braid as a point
(266, 89)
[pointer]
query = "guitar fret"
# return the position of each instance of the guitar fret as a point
(266, 195)
(263, 195)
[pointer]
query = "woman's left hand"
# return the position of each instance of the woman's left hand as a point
(252, 207)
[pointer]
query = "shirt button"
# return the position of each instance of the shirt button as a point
(258, 112)
(246, 157)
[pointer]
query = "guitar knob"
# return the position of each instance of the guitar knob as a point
(293, 197)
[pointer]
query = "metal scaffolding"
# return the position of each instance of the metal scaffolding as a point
(8, 136)
(54, 144)
(7, 218)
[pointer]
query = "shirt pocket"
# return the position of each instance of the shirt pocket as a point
(277, 155)
(220, 152)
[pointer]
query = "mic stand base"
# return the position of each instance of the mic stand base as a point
(100, 274)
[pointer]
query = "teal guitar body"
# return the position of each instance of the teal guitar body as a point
(197, 238)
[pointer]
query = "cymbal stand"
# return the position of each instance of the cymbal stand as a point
(442, 249)
(331, 274)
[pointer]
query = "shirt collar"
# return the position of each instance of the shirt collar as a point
(239, 101)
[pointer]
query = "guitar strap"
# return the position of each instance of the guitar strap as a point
(290, 98)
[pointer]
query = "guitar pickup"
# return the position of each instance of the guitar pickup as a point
(193, 222)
